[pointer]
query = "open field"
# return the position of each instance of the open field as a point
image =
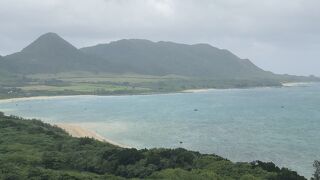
(86, 83)
(103, 77)
(81, 87)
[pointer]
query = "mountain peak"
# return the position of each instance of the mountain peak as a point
(50, 35)
(132, 41)
(49, 42)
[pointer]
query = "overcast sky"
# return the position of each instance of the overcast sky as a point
(278, 35)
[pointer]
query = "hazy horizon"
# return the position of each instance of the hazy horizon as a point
(279, 36)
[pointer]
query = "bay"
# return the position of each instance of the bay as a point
(281, 125)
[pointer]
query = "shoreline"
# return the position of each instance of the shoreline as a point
(174, 92)
(44, 97)
(75, 130)
(197, 90)
(38, 98)
(6, 100)
(293, 84)
(80, 130)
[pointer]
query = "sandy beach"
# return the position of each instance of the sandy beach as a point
(292, 84)
(196, 90)
(36, 98)
(77, 131)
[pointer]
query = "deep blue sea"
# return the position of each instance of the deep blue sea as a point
(281, 125)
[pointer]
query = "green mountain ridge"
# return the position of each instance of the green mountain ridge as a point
(162, 58)
(50, 54)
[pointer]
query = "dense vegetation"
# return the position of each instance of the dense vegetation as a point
(31, 149)
(316, 175)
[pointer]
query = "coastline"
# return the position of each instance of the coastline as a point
(75, 130)
(293, 84)
(6, 100)
(79, 130)
(197, 90)
(37, 98)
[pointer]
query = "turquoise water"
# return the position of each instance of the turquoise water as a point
(270, 124)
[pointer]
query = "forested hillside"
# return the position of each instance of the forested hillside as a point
(50, 54)
(162, 58)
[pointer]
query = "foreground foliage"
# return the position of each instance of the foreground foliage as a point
(316, 175)
(31, 149)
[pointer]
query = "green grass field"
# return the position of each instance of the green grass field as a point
(85, 83)
(81, 87)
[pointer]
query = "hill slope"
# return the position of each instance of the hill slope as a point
(50, 54)
(1, 67)
(163, 58)
(4, 74)
(31, 149)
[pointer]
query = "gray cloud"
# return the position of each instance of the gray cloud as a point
(278, 35)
